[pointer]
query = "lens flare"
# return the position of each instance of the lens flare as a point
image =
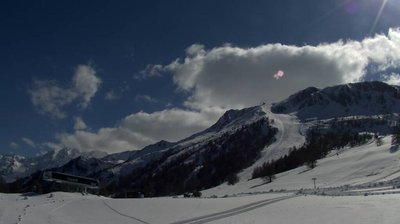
(279, 74)
(378, 16)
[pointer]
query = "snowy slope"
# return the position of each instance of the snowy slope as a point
(368, 163)
(290, 133)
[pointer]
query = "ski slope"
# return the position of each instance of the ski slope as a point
(363, 164)
(290, 133)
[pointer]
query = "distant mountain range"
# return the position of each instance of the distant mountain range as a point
(15, 166)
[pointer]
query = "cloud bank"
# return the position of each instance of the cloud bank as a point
(233, 77)
(138, 130)
(50, 98)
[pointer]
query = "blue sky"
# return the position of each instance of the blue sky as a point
(114, 76)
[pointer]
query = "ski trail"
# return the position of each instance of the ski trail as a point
(289, 134)
(122, 214)
(234, 211)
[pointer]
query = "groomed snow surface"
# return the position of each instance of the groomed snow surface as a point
(62, 208)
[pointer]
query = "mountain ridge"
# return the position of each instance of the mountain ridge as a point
(363, 98)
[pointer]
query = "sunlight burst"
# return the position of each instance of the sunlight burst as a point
(378, 16)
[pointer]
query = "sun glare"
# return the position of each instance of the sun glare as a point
(378, 16)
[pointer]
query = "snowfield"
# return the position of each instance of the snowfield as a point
(62, 208)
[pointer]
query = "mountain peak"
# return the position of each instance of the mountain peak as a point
(234, 116)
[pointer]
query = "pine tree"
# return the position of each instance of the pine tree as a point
(232, 179)
(396, 136)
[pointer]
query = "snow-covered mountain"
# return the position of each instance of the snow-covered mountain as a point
(86, 165)
(356, 99)
(11, 166)
(130, 155)
(207, 158)
(15, 166)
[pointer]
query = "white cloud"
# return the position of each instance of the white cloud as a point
(149, 71)
(29, 142)
(140, 129)
(111, 95)
(86, 84)
(392, 79)
(79, 124)
(195, 49)
(13, 145)
(50, 98)
(146, 98)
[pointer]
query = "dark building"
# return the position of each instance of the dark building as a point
(55, 181)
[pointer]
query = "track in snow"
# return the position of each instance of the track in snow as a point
(122, 214)
(234, 211)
